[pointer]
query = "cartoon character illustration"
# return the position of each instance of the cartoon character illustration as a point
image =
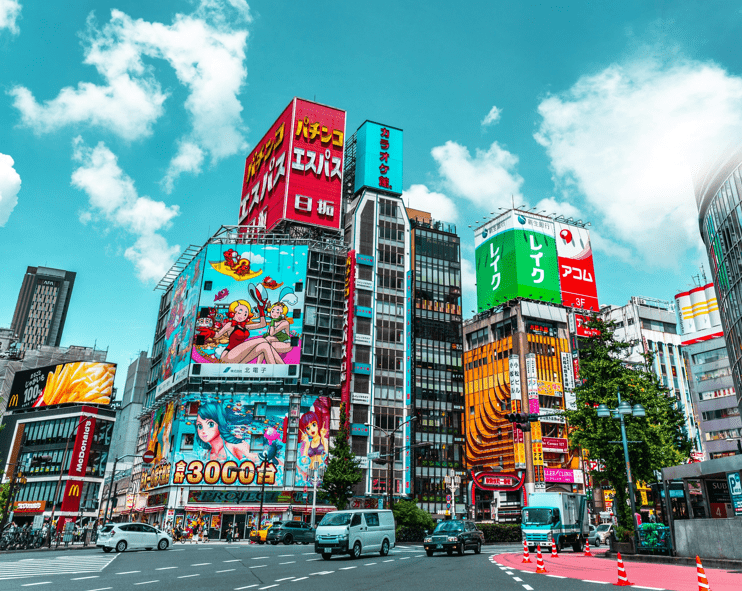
(271, 283)
(217, 435)
(313, 429)
(272, 448)
(235, 266)
(177, 309)
(223, 293)
(241, 348)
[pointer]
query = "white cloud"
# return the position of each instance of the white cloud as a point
(205, 49)
(468, 276)
(188, 159)
(627, 139)
(10, 10)
(487, 180)
(114, 198)
(10, 184)
(551, 205)
(253, 257)
(492, 117)
(437, 204)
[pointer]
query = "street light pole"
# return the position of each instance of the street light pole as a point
(628, 464)
(318, 474)
(390, 447)
(109, 509)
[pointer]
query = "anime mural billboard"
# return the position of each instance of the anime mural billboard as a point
(161, 432)
(242, 439)
(181, 321)
(250, 311)
(313, 441)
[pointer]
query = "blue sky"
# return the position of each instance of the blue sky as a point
(124, 127)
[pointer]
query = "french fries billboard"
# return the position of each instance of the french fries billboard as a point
(80, 382)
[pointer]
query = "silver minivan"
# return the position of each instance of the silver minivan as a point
(355, 532)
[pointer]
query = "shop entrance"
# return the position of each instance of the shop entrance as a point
(230, 520)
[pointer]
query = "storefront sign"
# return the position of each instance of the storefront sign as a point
(157, 500)
(563, 475)
(245, 497)
(496, 481)
(29, 506)
(555, 444)
(157, 476)
(735, 491)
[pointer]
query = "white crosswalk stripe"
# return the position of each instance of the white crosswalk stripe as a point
(66, 564)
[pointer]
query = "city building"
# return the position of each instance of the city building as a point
(535, 284)
(718, 188)
(650, 325)
(437, 367)
(6, 339)
(61, 414)
(42, 306)
(709, 372)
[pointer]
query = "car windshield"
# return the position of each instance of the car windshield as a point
(336, 519)
(537, 516)
(604, 527)
(448, 526)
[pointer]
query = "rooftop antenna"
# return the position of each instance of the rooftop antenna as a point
(703, 273)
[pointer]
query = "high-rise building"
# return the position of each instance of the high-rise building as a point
(437, 366)
(651, 326)
(124, 439)
(718, 196)
(42, 306)
(710, 375)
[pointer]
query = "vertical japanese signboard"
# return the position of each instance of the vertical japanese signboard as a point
(516, 257)
(576, 270)
(78, 464)
(519, 445)
(346, 373)
(532, 383)
(378, 158)
(570, 402)
(735, 491)
(295, 172)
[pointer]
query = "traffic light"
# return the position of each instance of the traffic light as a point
(522, 420)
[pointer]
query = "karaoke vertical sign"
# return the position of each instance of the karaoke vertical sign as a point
(519, 444)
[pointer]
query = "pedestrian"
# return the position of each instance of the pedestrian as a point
(229, 534)
(236, 533)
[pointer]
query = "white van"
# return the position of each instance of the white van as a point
(355, 533)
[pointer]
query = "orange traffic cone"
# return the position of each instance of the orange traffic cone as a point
(526, 555)
(553, 550)
(539, 560)
(703, 584)
(623, 580)
(587, 548)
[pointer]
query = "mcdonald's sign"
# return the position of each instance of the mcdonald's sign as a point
(72, 494)
(13, 401)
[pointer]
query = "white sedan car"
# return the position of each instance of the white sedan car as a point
(131, 536)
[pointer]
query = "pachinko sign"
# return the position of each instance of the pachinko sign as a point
(295, 172)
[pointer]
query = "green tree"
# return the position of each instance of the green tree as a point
(343, 469)
(407, 513)
(4, 492)
(604, 372)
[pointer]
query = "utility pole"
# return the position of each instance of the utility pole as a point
(262, 495)
(316, 479)
(453, 481)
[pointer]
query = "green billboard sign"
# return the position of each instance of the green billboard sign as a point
(516, 257)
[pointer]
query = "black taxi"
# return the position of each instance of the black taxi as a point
(454, 534)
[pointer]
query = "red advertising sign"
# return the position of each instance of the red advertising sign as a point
(496, 480)
(348, 321)
(81, 451)
(72, 494)
(296, 170)
(555, 444)
(576, 271)
(581, 326)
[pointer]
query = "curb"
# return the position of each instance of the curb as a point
(723, 563)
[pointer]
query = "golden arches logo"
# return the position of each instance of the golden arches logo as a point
(13, 400)
(74, 491)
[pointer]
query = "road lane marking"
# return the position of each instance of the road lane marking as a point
(204, 548)
(284, 555)
(405, 558)
(653, 588)
(528, 587)
(503, 568)
(268, 587)
(289, 562)
(146, 582)
(284, 579)
(518, 579)
(348, 567)
(390, 560)
(41, 583)
(201, 564)
(258, 566)
(248, 587)
(369, 564)
(312, 559)
(128, 572)
(508, 572)
(556, 577)
(226, 570)
(102, 589)
(307, 553)
(419, 556)
(235, 560)
(598, 582)
(166, 567)
(83, 578)
(188, 576)
(259, 557)
(299, 579)
(322, 572)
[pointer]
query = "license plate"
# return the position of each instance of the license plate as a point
(439, 547)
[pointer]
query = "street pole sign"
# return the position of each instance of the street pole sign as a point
(374, 455)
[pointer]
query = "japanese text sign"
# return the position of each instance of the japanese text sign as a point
(576, 271)
(379, 157)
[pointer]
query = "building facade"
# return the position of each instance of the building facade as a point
(651, 326)
(42, 305)
(709, 371)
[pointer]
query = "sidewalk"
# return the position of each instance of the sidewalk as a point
(643, 575)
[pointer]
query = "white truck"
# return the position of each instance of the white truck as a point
(557, 516)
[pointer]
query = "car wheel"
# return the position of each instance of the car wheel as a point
(162, 545)
(478, 549)
(384, 548)
(577, 546)
(107, 550)
(597, 543)
(288, 540)
(460, 549)
(356, 550)
(429, 552)
(121, 546)
(326, 555)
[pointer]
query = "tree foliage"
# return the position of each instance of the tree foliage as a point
(408, 514)
(343, 469)
(604, 372)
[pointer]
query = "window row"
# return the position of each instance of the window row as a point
(710, 356)
(723, 434)
(720, 413)
(711, 394)
(61, 430)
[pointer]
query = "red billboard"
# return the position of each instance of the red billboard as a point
(576, 270)
(346, 373)
(79, 462)
(295, 172)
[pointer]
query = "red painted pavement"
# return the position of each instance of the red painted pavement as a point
(659, 576)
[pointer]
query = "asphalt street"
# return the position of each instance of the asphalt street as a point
(258, 567)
